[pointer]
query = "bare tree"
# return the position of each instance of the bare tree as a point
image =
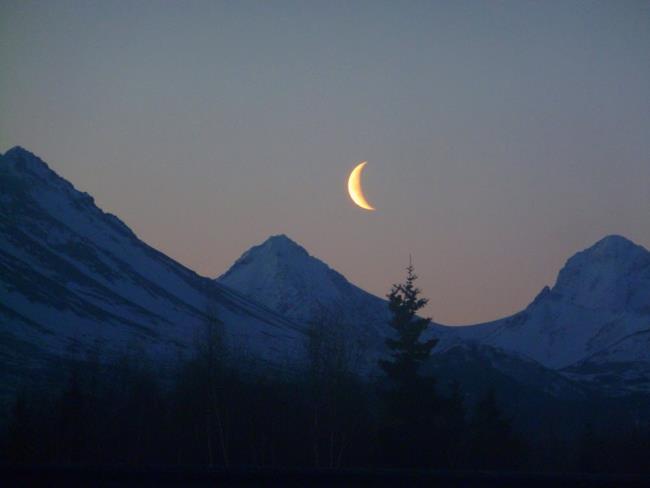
(333, 357)
(212, 357)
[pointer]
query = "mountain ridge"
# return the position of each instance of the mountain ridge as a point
(561, 326)
(73, 277)
(72, 274)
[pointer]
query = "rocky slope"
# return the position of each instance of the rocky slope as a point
(75, 279)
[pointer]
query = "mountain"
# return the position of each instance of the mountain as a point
(594, 316)
(601, 296)
(283, 276)
(528, 391)
(612, 275)
(621, 367)
(74, 279)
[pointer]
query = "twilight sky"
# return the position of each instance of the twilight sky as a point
(502, 137)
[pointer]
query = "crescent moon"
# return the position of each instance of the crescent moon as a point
(354, 187)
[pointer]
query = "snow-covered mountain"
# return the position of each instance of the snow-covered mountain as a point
(591, 325)
(283, 276)
(601, 298)
(598, 310)
(74, 278)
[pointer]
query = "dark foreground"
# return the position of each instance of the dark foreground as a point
(67, 476)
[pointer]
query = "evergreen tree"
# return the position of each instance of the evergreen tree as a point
(408, 352)
(409, 436)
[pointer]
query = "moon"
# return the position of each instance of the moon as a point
(354, 187)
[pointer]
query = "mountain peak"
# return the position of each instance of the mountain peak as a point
(276, 255)
(21, 160)
(603, 274)
(280, 244)
(282, 275)
(280, 238)
(19, 151)
(29, 179)
(617, 250)
(613, 245)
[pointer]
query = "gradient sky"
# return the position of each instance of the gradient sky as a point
(502, 137)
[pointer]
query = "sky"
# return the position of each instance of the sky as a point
(501, 137)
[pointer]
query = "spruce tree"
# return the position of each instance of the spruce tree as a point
(408, 436)
(408, 352)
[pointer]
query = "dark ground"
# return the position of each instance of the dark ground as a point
(70, 476)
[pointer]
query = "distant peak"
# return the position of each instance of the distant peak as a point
(280, 243)
(613, 248)
(613, 244)
(601, 275)
(276, 248)
(281, 238)
(24, 160)
(17, 150)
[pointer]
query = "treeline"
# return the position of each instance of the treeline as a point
(211, 414)
(213, 411)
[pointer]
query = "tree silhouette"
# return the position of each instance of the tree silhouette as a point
(408, 352)
(412, 417)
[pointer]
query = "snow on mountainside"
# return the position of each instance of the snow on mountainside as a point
(73, 277)
(620, 367)
(282, 275)
(600, 298)
(612, 275)
(478, 366)
(600, 303)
